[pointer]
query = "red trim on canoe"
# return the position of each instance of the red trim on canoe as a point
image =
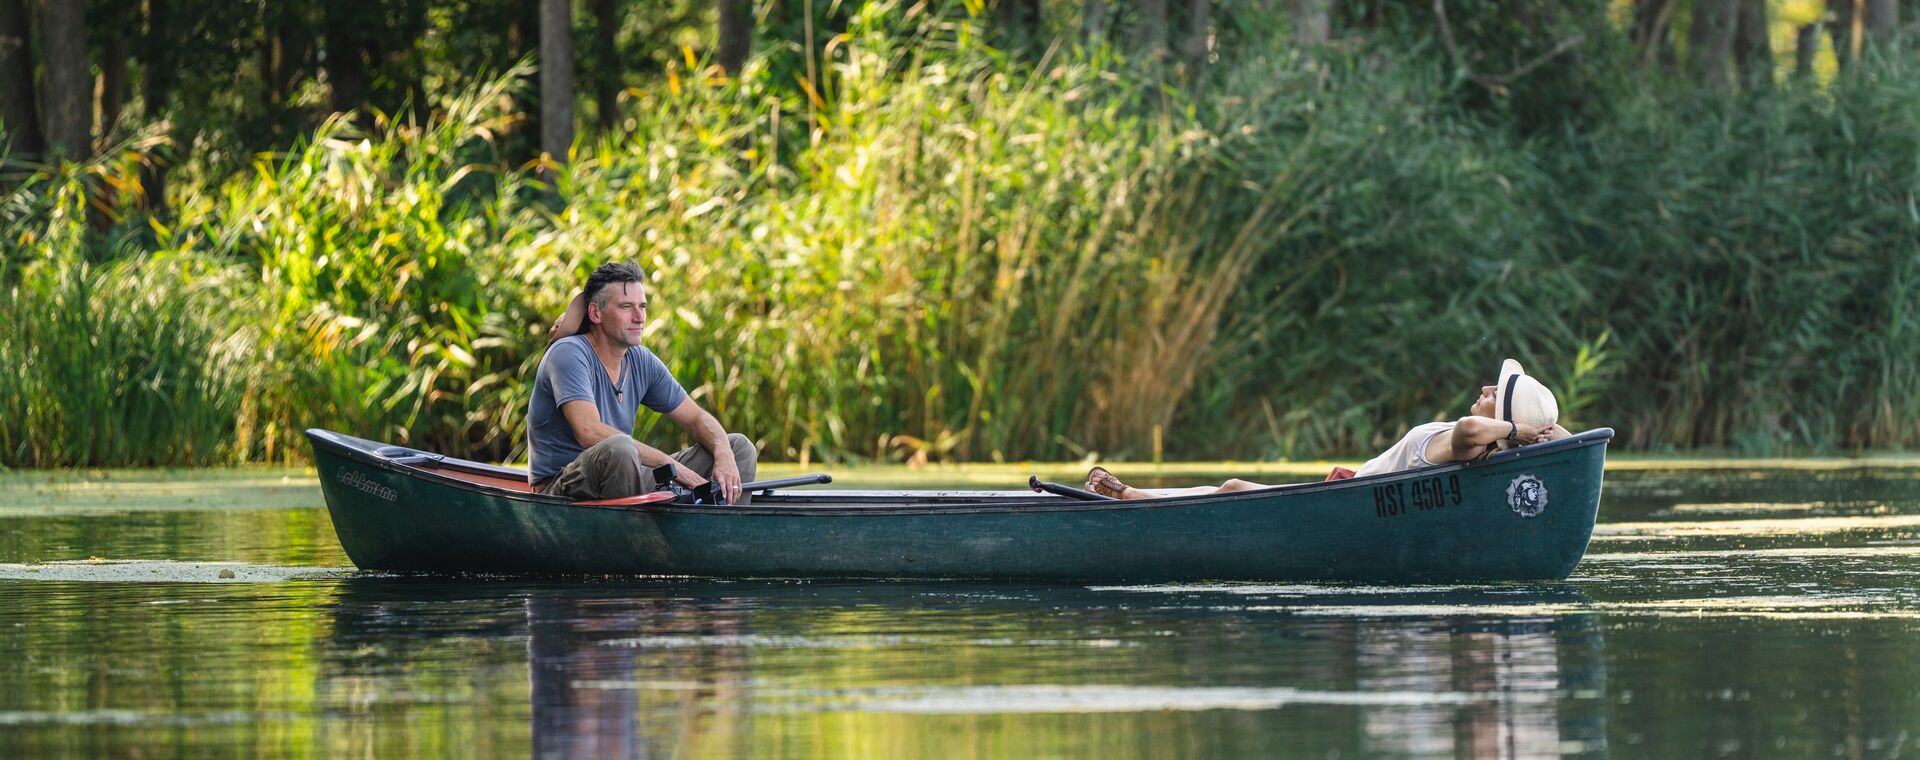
(630, 501)
(520, 485)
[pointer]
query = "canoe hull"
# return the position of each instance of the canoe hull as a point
(1447, 524)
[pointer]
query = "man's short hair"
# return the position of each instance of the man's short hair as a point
(608, 274)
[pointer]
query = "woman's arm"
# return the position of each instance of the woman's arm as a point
(1471, 434)
(571, 319)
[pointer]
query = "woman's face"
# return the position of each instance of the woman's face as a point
(1483, 406)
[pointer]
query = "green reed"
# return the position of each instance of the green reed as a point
(938, 251)
(1759, 254)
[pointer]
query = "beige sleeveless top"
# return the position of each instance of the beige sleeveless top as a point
(1409, 453)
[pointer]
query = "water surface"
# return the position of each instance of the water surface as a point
(1736, 613)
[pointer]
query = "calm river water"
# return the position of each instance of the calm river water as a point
(1752, 613)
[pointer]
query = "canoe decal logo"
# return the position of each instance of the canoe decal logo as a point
(1527, 495)
(364, 484)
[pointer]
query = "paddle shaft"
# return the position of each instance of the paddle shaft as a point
(818, 478)
(1070, 492)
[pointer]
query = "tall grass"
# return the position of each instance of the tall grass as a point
(134, 362)
(1759, 255)
(941, 251)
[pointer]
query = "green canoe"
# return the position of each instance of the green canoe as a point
(1523, 514)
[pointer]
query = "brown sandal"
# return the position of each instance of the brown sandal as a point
(1104, 483)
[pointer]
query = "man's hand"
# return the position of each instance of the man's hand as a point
(726, 475)
(706, 432)
(685, 476)
(1550, 433)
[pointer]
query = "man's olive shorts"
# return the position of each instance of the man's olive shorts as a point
(611, 469)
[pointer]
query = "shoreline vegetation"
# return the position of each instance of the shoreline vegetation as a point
(942, 248)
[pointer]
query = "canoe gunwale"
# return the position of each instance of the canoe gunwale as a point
(796, 503)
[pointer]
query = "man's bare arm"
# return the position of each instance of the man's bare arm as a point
(584, 418)
(707, 432)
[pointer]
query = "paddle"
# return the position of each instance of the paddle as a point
(762, 486)
(706, 494)
(1041, 486)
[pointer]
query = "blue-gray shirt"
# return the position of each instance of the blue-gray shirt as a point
(570, 372)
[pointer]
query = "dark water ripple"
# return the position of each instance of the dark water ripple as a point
(1719, 613)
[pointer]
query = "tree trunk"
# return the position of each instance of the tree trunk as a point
(1199, 32)
(156, 85)
(523, 44)
(736, 34)
(1883, 18)
(112, 87)
(396, 57)
(523, 32)
(1711, 41)
(1311, 23)
(269, 55)
(556, 78)
(19, 108)
(1018, 19)
(1840, 29)
(1653, 31)
(1153, 27)
(345, 48)
(69, 80)
(1752, 49)
(1806, 45)
(608, 71)
(288, 52)
(1093, 22)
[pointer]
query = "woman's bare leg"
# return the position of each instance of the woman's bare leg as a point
(1163, 493)
(1102, 482)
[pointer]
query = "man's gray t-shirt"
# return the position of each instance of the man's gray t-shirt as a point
(570, 372)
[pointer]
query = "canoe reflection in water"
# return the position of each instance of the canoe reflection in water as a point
(910, 670)
(1515, 665)
(734, 676)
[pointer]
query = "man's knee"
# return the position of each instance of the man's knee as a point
(614, 452)
(744, 454)
(742, 447)
(615, 446)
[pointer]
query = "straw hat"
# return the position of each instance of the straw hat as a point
(1520, 398)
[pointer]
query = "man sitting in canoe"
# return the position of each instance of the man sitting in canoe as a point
(1516, 411)
(589, 388)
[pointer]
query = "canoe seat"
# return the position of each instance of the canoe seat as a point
(494, 481)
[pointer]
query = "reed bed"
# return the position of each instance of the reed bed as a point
(940, 252)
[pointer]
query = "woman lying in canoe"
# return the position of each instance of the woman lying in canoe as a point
(1516, 411)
